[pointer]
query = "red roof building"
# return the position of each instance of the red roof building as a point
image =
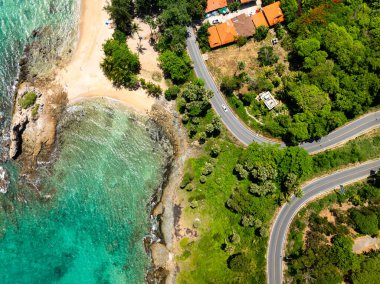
(213, 5)
(273, 13)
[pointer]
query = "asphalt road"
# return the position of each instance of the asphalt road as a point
(313, 189)
(247, 136)
(288, 211)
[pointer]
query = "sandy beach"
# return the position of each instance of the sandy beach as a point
(83, 78)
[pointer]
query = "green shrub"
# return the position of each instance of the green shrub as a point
(27, 100)
(365, 221)
(261, 33)
(187, 178)
(151, 88)
(241, 41)
(172, 92)
(35, 110)
(266, 56)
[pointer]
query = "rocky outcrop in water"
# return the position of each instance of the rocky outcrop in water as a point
(33, 127)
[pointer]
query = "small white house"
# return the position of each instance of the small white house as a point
(268, 99)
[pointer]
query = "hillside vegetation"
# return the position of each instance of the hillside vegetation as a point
(326, 254)
(331, 73)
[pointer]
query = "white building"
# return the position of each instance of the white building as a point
(268, 99)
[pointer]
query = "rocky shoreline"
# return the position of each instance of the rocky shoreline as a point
(33, 143)
(161, 249)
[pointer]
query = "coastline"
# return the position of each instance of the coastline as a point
(79, 77)
(162, 250)
(82, 77)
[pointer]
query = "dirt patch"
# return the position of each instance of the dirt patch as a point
(326, 213)
(365, 244)
(223, 61)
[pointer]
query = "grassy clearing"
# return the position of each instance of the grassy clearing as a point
(204, 259)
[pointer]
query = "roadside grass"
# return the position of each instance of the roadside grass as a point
(363, 148)
(203, 258)
(207, 259)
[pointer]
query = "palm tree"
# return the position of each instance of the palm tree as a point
(135, 30)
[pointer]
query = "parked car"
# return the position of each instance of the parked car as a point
(216, 21)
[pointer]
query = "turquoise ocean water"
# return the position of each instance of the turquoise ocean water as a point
(89, 219)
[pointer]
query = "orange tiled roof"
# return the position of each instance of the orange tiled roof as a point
(213, 38)
(213, 5)
(245, 1)
(273, 13)
(227, 32)
(258, 20)
(222, 34)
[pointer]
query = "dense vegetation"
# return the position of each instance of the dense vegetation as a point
(27, 100)
(230, 193)
(120, 64)
(334, 62)
(171, 19)
(326, 256)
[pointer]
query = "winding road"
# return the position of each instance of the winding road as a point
(288, 211)
(247, 136)
(311, 190)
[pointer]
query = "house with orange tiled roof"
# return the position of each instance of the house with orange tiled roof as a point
(273, 13)
(213, 5)
(222, 34)
(259, 19)
(213, 38)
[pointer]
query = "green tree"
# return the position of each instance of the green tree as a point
(309, 98)
(120, 65)
(121, 12)
(261, 33)
(234, 6)
(290, 8)
(202, 37)
(266, 56)
(341, 253)
(238, 262)
(305, 47)
(175, 67)
(241, 41)
(172, 92)
(146, 7)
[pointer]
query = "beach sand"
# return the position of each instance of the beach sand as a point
(83, 78)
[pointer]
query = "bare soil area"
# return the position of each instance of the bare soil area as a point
(224, 61)
(365, 244)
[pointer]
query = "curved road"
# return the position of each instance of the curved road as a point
(246, 135)
(288, 211)
(311, 190)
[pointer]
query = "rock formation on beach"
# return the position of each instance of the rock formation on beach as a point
(33, 127)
